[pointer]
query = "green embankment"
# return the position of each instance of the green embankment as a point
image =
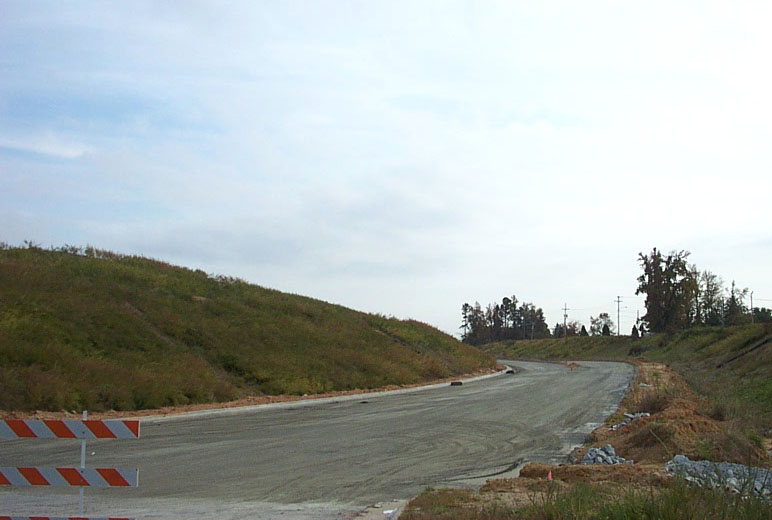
(731, 364)
(95, 330)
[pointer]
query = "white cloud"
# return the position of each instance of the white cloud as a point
(393, 156)
(46, 144)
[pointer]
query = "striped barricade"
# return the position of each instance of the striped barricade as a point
(81, 477)
(75, 429)
(86, 477)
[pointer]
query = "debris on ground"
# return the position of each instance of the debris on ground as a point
(630, 417)
(734, 477)
(604, 455)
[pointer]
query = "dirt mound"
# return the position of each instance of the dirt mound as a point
(677, 425)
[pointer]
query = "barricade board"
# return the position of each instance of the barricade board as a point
(86, 477)
(68, 429)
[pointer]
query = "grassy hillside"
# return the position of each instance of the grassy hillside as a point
(732, 364)
(95, 330)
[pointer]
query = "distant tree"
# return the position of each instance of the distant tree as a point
(573, 328)
(466, 312)
(533, 323)
(669, 286)
(634, 332)
(558, 331)
(711, 298)
(505, 310)
(583, 332)
(735, 311)
(642, 330)
(606, 330)
(762, 315)
(695, 305)
(505, 321)
(475, 324)
(597, 324)
(493, 320)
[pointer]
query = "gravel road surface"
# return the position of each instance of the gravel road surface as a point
(331, 459)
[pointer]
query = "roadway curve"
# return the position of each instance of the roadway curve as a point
(329, 459)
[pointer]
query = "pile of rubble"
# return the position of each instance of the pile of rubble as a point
(630, 417)
(604, 455)
(735, 477)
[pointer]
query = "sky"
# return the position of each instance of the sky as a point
(399, 157)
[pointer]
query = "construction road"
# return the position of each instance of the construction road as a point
(331, 458)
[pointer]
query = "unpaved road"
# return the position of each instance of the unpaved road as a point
(312, 460)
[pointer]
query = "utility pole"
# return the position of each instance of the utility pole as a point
(618, 300)
(565, 317)
(751, 307)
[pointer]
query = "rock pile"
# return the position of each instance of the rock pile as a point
(630, 417)
(735, 477)
(604, 455)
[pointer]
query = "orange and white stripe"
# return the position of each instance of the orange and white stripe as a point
(72, 429)
(91, 477)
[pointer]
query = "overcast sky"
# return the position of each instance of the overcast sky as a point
(396, 157)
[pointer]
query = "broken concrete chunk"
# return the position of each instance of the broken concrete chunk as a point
(735, 477)
(605, 455)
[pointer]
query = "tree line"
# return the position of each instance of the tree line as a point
(602, 325)
(502, 321)
(679, 295)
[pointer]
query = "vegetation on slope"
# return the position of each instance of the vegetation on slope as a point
(89, 329)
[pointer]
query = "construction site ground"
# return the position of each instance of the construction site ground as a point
(681, 422)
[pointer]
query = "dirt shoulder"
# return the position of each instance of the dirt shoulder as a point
(244, 402)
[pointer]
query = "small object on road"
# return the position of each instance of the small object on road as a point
(456, 383)
(363, 402)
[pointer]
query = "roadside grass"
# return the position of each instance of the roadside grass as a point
(91, 329)
(680, 501)
(737, 390)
